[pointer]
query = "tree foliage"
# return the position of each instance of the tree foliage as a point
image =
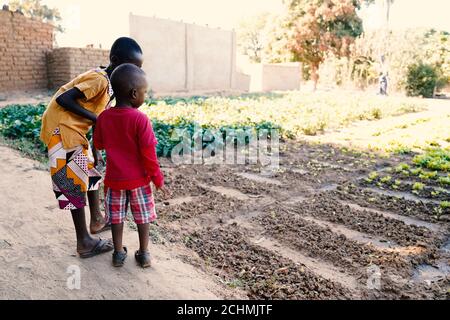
(35, 9)
(401, 49)
(313, 28)
(436, 51)
(250, 36)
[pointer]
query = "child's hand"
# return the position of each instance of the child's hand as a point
(98, 158)
(165, 192)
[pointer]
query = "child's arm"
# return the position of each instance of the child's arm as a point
(68, 100)
(97, 136)
(151, 165)
(147, 145)
(97, 143)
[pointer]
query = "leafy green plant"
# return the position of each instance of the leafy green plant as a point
(434, 159)
(444, 205)
(292, 114)
(418, 186)
(416, 171)
(377, 113)
(401, 167)
(372, 176)
(435, 193)
(421, 80)
(22, 123)
(386, 179)
(444, 180)
(402, 150)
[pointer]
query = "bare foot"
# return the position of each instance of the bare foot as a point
(99, 225)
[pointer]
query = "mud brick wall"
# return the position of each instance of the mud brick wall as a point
(63, 64)
(24, 43)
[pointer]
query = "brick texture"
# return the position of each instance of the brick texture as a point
(24, 43)
(64, 64)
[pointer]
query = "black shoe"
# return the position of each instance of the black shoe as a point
(143, 258)
(118, 258)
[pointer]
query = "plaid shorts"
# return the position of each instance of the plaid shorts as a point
(141, 202)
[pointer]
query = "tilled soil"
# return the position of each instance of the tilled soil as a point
(209, 203)
(421, 209)
(317, 241)
(264, 274)
(229, 178)
(307, 229)
(427, 192)
(368, 222)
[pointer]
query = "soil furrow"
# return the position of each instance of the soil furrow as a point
(390, 215)
(366, 222)
(263, 274)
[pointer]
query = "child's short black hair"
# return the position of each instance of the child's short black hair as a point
(123, 48)
(126, 77)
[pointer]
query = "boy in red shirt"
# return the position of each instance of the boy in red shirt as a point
(128, 138)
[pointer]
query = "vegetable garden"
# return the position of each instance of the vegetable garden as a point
(330, 222)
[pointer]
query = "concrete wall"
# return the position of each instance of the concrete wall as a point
(277, 76)
(64, 64)
(24, 43)
(181, 57)
(242, 82)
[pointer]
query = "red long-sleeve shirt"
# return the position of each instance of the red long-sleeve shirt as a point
(130, 143)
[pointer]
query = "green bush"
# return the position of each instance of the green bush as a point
(21, 125)
(421, 80)
(18, 122)
(293, 114)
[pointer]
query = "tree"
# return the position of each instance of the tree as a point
(388, 4)
(435, 50)
(403, 48)
(276, 46)
(35, 9)
(250, 36)
(318, 27)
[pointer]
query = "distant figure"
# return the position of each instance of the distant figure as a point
(383, 84)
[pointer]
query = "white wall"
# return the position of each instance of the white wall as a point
(277, 76)
(181, 57)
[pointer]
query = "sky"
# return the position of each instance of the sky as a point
(99, 22)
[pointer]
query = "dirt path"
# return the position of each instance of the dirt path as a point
(37, 247)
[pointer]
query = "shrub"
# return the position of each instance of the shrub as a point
(293, 114)
(19, 122)
(421, 80)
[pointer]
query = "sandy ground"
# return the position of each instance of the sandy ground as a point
(37, 246)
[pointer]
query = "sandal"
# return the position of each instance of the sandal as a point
(102, 246)
(143, 258)
(118, 257)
